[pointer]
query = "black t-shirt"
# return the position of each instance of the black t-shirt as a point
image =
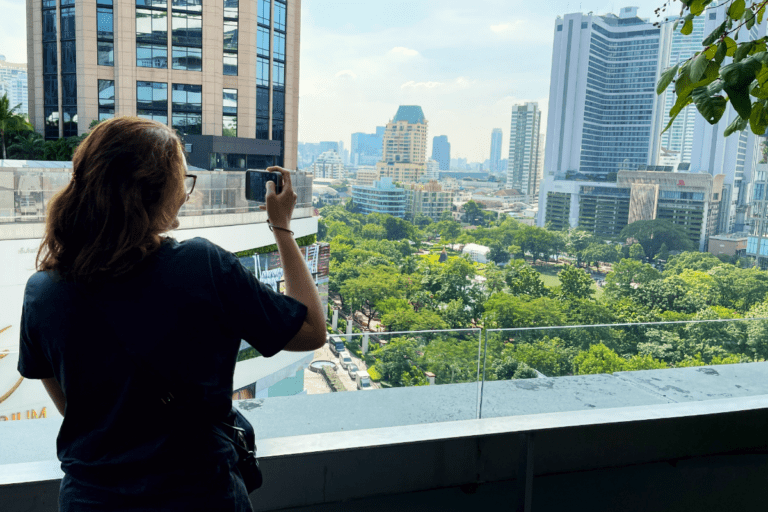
(176, 322)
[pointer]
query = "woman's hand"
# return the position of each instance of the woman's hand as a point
(280, 206)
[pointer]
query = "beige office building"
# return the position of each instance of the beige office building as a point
(427, 199)
(404, 155)
(223, 73)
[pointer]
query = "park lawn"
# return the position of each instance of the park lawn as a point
(550, 279)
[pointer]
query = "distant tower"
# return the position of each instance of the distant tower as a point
(441, 152)
(404, 153)
(523, 164)
(495, 149)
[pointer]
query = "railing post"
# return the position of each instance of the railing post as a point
(335, 320)
(525, 474)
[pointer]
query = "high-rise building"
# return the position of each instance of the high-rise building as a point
(404, 152)
(366, 147)
(433, 170)
(330, 146)
(523, 162)
(381, 197)
(495, 150)
(427, 199)
(677, 141)
(441, 152)
(224, 74)
(328, 165)
(604, 113)
(13, 82)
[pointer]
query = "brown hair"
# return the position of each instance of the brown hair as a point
(127, 187)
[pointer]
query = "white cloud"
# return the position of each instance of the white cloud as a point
(416, 85)
(346, 73)
(403, 51)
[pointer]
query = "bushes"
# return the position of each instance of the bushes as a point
(374, 374)
(333, 379)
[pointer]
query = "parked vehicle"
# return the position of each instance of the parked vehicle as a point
(332, 339)
(352, 371)
(363, 380)
(345, 360)
(338, 347)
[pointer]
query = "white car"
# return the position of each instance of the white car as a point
(345, 360)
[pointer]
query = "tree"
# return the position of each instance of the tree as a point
(26, 146)
(473, 213)
(626, 275)
(598, 359)
(599, 252)
(575, 283)
(653, 233)
(456, 314)
(395, 358)
(577, 241)
(701, 78)
(374, 231)
(371, 286)
(636, 252)
(697, 261)
(645, 362)
(10, 121)
(666, 295)
(524, 280)
(548, 355)
(536, 241)
(410, 320)
(498, 254)
(508, 368)
(504, 311)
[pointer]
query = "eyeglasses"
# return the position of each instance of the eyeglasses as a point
(189, 183)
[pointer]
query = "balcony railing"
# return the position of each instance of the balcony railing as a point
(476, 402)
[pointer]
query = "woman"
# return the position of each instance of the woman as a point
(117, 315)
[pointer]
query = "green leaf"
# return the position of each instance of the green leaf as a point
(666, 78)
(758, 120)
(711, 108)
(742, 51)
(731, 46)
(698, 67)
(762, 76)
(739, 75)
(715, 87)
(722, 49)
(737, 125)
(750, 19)
(684, 85)
(740, 100)
(736, 10)
(688, 25)
(758, 92)
(680, 104)
(714, 35)
(698, 6)
(759, 46)
(760, 14)
(710, 51)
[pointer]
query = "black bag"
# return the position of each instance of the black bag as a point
(242, 436)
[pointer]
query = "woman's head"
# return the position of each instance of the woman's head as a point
(127, 187)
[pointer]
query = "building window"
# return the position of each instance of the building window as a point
(67, 23)
(152, 101)
(187, 30)
(265, 16)
(50, 60)
(262, 128)
(106, 99)
(279, 46)
(262, 71)
(278, 105)
(278, 74)
(49, 25)
(230, 47)
(262, 102)
(231, 9)
(188, 5)
(190, 59)
(105, 33)
(229, 124)
(151, 38)
(277, 130)
(262, 41)
(187, 105)
(230, 64)
(50, 70)
(280, 15)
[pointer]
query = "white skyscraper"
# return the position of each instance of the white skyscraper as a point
(677, 141)
(603, 109)
(523, 163)
(13, 82)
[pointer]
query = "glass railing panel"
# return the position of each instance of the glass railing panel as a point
(522, 368)
(25, 193)
(386, 379)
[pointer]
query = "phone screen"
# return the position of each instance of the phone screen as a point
(256, 184)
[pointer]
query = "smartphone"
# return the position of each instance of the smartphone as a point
(256, 184)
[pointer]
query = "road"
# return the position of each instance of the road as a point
(314, 383)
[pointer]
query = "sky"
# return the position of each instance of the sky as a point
(465, 62)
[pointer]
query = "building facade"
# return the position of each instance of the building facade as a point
(495, 150)
(427, 199)
(366, 147)
(441, 152)
(328, 165)
(404, 151)
(224, 74)
(523, 162)
(13, 82)
(381, 197)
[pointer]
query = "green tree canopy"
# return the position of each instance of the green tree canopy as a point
(575, 283)
(653, 233)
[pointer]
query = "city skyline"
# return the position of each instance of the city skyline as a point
(464, 67)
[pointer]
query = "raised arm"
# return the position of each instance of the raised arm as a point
(298, 280)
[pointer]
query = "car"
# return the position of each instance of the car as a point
(332, 338)
(352, 371)
(344, 360)
(363, 381)
(338, 347)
